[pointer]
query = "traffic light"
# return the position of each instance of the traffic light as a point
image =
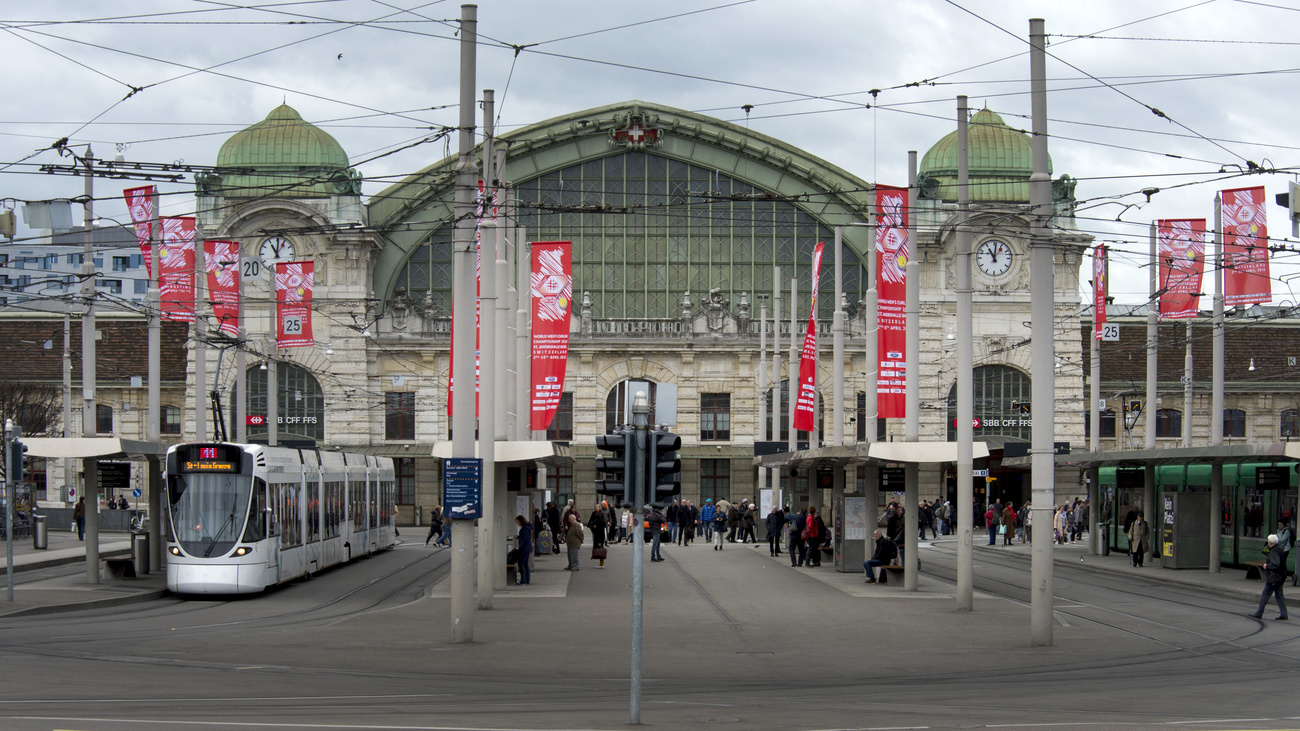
(619, 484)
(665, 468)
(14, 468)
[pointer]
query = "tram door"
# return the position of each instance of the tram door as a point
(271, 514)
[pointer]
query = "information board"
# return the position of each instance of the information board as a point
(462, 488)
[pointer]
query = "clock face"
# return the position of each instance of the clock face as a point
(275, 250)
(993, 257)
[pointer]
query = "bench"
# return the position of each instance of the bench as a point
(120, 568)
(885, 569)
(1255, 570)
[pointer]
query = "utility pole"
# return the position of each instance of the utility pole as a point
(89, 422)
(638, 465)
(1153, 346)
(1042, 305)
(487, 366)
(912, 384)
(1216, 391)
(965, 372)
(463, 299)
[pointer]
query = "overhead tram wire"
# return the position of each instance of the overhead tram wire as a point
(1122, 93)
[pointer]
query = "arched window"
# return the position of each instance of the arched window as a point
(1290, 426)
(1001, 394)
(1169, 423)
(618, 404)
(1234, 423)
(301, 404)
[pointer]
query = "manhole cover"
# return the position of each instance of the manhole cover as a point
(712, 719)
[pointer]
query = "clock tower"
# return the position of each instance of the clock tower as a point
(284, 190)
(1000, 165)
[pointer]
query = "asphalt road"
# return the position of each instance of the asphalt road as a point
(733, 638)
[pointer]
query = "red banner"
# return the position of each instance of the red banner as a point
(1180, 245)
(552, 296)
(892, 251)
(805, 404)
(176, 269)
(293, 288)
(1245, 248)
(221, 262)
(1099, 286)
(140, 204)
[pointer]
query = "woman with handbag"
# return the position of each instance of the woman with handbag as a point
(597, 526)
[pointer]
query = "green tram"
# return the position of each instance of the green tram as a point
(1248, 514)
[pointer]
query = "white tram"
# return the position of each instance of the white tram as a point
(246, 516)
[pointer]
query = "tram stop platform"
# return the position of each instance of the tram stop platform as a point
(53, 579)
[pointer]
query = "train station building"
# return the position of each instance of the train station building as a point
(678, 223)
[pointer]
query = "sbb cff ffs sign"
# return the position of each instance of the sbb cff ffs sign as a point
(252, 420)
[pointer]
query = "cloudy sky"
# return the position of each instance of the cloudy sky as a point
(169, 81)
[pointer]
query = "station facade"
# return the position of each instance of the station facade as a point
(678, 222)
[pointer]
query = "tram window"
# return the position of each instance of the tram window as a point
(255, 529)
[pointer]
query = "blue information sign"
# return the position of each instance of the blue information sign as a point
(462, 488)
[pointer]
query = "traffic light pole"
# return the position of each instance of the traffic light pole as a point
(637, 464)
(12, 477)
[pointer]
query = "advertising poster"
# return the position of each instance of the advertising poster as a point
(892, 251)
(221, 262)
(552, 304)
(805, 404)
(176, 269)
(1245, 248)
(1180, 247)
(293, 290)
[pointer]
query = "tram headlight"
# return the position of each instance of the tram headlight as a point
(174, 551)
(242, 550)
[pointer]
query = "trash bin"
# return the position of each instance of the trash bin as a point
(418, 510)
(40, 534)
(140, 552)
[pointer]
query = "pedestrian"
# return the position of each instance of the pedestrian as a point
(654, 523)
(79, 515)
(923, 517)
(732, 522)
(573, 540)
(706, 518)
(750, 524)
(796, 543)
(553, 521)
(886, 552)
(1027, 535)
(1274, 578)
(525, 543)
(1139, 541)
(1059, 523)
(435, 524)
(597, 523)
(719, 527)
(774, 523)
(1007, 527)
(1285, 540)
(625, 523)
(671, 515)
(685, 523)
(812, 539)
(991, 524)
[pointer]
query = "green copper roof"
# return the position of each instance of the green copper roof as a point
(281, 156)
(1001, 161)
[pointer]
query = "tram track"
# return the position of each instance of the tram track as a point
(56, 629)
(1019, 592)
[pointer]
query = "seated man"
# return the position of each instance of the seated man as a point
(886, 552)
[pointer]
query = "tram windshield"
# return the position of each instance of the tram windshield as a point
(208, 511)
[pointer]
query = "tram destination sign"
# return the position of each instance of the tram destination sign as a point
(462, 487)
(1272, 478)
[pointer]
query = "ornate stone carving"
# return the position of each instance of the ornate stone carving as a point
(716, 310)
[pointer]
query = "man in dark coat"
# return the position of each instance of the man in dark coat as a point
(1274, 578)
(775, 523)
(886, 552)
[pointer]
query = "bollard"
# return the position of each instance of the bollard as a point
(40, 533)
(140, 552)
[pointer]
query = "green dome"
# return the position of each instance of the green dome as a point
(282, 156)
(1001, 162)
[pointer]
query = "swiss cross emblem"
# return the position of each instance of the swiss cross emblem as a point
(635, 131)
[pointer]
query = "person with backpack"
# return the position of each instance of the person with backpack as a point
(797, 527)
(812, 538)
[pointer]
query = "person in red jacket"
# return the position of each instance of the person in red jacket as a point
(813, 540)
